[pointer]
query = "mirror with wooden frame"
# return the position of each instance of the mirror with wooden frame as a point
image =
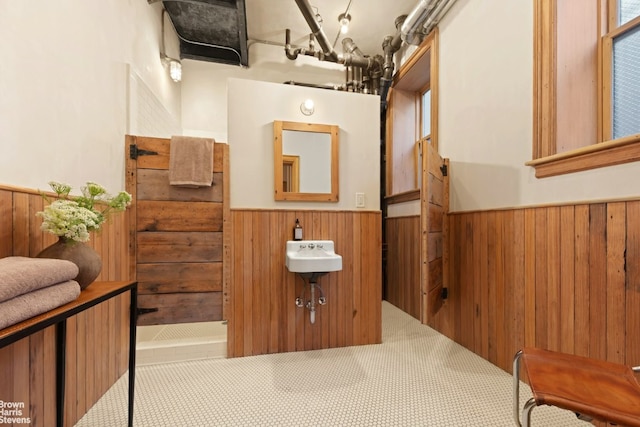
(305, 161)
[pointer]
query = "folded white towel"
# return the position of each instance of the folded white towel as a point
(20, 275)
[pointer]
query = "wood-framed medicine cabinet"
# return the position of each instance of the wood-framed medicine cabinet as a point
(305, 162)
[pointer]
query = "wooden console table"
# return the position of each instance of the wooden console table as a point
(92, 295)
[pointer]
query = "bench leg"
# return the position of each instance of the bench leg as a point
(516, 388)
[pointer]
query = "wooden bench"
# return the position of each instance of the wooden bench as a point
(593, 389)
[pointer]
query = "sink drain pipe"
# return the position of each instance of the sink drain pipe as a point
(311, 303)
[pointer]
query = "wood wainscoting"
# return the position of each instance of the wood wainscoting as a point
(264, 317)
(563, 278)
(403, 264)
(97, 339)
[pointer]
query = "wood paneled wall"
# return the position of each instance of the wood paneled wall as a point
(563, 278)
(263, 315)
(403, 264)
(97, 339)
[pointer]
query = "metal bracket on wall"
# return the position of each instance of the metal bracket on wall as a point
(134, 152)
(443, 169)
(140, 311)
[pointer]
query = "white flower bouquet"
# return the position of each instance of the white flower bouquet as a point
(74, 217)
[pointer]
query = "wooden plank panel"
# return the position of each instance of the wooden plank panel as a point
(154, 184)
(530, 277)
(179, 277)
(435, 218)
(436, 191)
(554, 338)
(478, 285)
(131, 179)
(246, 283)
(37, 239)
(179, 247)
(7, 374)
(483, 284)
(6, 223)
(22, 390)
(178, 216)
(541, 278)
(260, 247)
(162, 148)
(581, 267)
(512, 303)
(36, 373)
(492, 289)
(567, 278)
(183, 307)
(500, 324)
(235, 343)
(615, 318)
(276, 300)
(632, 300)
(468, 309)
(598, 280)
(21, 221)
(49, 375)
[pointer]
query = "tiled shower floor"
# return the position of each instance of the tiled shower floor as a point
(180, 342)
(416, 377)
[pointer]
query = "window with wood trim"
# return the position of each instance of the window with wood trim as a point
(411, 122)
(586, 84)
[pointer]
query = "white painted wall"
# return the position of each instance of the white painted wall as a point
(485, 112)
(65, 82)
(252, 108)
(204, 88)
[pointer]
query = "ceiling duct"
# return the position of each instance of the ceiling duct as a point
(210, 30)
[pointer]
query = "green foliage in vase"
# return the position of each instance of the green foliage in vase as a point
(74, 217)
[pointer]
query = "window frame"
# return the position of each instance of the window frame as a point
(416, 75)
(605, 151)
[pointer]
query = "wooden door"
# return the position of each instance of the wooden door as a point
(177, 236)
(434, 201)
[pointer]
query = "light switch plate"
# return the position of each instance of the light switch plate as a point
(359, 200)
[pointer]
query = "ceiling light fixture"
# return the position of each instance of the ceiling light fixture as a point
(307, 107)
(344, 20)
(174, 65)
(175, 68)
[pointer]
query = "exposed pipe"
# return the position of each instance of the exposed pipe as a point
(353, 56)
(328, 52)
(415, 19)
(441, 9)
(364, 73)
(390, 46)
(292, 53)
(317, 86)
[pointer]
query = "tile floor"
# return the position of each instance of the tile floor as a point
(416, 377)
